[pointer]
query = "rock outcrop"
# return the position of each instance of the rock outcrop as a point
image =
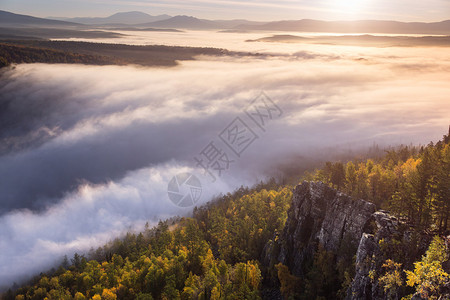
(390, 238)
(369, 256)
(318, 215)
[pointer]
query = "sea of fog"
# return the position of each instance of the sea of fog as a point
(87, 152)
(235, 41)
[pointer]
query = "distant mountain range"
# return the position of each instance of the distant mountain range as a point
(143, 20)
(11, 19)
(184, 22)
(364, 26)
(187, 22)
(129, 18)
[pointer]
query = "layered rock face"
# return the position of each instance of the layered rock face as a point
(395, 237)
(320, 214)
(369, 257)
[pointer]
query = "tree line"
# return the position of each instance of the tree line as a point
(213, 255)
(411, 182)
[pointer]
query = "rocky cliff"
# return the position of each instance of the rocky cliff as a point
(318, 215)
(369, 256)
(346, 227)
(389, 239)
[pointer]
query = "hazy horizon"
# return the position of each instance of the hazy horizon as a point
(327, 10)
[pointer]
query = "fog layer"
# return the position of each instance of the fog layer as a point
(87, 152)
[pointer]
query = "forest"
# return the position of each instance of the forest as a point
(14, 51)
(217, 253)
(15, 54)
(410, 182)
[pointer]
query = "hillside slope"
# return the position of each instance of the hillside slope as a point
(9, 18)
(312, 242)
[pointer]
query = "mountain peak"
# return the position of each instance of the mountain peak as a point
(183, 21)
(127, 17)
(8, 18)
(130, 14)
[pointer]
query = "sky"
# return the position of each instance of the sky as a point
(400, 10)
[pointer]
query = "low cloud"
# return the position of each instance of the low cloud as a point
(87, 152)
(91, 215)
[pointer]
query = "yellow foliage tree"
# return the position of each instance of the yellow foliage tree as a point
(392, 279)
(428, 275)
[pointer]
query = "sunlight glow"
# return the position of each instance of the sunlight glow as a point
(349, 7)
